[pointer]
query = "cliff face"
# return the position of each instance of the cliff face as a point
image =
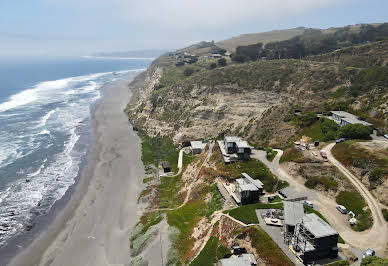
(254, 100)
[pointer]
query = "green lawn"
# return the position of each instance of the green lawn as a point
(247, 213)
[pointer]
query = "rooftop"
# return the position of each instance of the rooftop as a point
(255, 182)
(242, 260)
(165, 164)
(197, 145)
(350, 118)
(293, 212)
(317, 226)
(232, 139)
(242, 144)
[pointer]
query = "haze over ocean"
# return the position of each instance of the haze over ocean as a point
(44, 130)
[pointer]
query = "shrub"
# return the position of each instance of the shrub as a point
(374, 261)
(213, 65)
(139, 261)
(385, 214)
(355, 131)
(139, 243)
(222, 62)
(307, 119)
(188, 71)
(376, 177)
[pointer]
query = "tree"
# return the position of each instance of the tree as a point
(188, 71)
(307, 119)
(328, 125)
(239, 58)
(222, 62)
(213, 65)
(355, 131)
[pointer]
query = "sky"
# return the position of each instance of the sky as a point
(82, 27)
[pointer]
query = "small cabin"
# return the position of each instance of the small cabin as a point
(166, 167)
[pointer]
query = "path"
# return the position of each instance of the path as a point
(375, 238)
(379, 231)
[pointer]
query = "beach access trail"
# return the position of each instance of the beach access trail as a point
(93, 228)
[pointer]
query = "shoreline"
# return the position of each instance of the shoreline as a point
(113, 142)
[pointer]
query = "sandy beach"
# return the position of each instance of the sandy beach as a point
(93, 228)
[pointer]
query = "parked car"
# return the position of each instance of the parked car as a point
(386, 136)
(308, 204)
(323, 154)
(342, 209)
(369, 253)
(340, 140)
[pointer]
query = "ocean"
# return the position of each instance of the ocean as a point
(45, 134)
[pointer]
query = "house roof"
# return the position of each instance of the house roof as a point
(317, 226)
(242, 144)
(293, 212)
(255, 182)
(197, 145)
(350, 118)
(165, 164)
(243, 260)
(232, 139)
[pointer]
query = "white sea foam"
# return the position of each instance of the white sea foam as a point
(46, 117)
(19, 99)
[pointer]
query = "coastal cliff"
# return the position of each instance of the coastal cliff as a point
(255, 100)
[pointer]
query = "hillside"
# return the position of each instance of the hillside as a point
(264, 37)
(257, 99)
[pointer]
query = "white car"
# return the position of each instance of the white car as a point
(308, 203)
(386, 136)
(342, 209)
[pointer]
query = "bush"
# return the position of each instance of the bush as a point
(376, 177)
(188, 71)
(328, 182)
(385, 214)
(222, 62)
(213, 65)
(355, 131)
(374, 261)
(307, 119)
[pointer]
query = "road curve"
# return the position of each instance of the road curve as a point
(376, 237)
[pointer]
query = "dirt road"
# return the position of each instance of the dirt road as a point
(375, 238)
(378, 234)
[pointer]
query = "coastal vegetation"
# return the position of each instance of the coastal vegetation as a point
(373, 164)
(354, 202)
(211, 253)
(267, 249)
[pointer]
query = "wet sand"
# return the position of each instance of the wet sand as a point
(93, 228)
